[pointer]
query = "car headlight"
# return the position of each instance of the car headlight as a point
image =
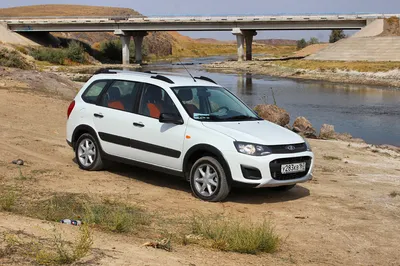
(307, 145)
(252, 149)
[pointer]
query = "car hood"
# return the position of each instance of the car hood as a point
(260, 132)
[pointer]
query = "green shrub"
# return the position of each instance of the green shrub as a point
(74, 53)
(111, 50)
(52, 55)
(241, 237)
(301, 44)
(11, 58)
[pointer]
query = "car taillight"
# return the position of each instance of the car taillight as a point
(70, 108)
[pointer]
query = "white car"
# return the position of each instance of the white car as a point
(184, 126)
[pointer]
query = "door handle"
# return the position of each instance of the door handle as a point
(138, 124)
(99, 115)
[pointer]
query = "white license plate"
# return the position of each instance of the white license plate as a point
(293, 168)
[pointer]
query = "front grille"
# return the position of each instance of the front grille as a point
(275, 168)
(294, 148)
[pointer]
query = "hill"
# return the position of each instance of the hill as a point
(66, 10)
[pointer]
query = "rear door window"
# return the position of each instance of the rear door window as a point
(92, 93)
(121, 95)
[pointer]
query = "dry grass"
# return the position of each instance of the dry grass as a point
(331, 158)
(360, 66)
(106, 215)
(48, 251)
(8, 198)
(186, 47)
(232, 235)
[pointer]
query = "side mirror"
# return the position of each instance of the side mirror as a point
(170, 118)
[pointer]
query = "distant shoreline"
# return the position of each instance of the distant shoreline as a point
(389, 79)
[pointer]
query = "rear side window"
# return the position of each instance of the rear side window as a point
(92, 93)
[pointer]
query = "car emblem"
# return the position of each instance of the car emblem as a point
(290, 148)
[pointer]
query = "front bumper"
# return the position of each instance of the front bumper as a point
(237, 160)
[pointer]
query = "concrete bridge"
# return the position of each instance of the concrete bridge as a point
(243, 27)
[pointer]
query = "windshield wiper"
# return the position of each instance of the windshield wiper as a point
(241, 117)
(208, 118)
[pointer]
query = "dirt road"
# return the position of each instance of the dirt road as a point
(344, 216)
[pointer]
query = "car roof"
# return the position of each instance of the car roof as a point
(156, 78)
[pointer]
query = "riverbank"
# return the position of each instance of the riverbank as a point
(381, 74)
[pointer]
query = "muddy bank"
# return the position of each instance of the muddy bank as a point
(390, 78)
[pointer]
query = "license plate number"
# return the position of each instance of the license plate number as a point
(293, 168)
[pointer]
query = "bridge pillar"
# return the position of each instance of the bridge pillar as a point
(248, 36)
(125, 41)
(138, 38)
(240, 43)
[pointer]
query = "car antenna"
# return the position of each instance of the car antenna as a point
(186, 69)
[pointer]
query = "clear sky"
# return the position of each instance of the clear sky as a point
(236, 7)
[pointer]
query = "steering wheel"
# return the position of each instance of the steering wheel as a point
(221, 108)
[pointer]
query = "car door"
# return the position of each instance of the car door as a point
(113, 117)
(157, 143)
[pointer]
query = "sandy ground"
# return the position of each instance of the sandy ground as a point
(344, 216)
(390, 78)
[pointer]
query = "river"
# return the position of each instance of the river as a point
(368, 112)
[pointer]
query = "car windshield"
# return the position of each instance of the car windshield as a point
(213, 104)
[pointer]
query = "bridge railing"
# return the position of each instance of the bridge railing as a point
(214, 16)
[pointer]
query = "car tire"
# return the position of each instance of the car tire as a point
(87, 153)
(283, 188)
(208, 180)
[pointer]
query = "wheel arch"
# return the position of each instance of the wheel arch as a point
(200, 150)
(82, 129)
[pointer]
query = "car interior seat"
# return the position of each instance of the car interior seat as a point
(114, 98)
(186, 95)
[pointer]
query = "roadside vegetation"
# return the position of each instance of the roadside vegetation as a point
(336, 35)
(111, 51)
(303, 43)
(12, 58)
(73, 54)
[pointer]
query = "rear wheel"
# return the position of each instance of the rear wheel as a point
(283, 188)
(87, 153)
(208, 180)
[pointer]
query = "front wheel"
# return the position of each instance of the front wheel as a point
(87, 153)
(208, 180)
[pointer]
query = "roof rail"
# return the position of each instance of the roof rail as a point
(206, 79)
(105, 71)
(163, 78)
(149, 72)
